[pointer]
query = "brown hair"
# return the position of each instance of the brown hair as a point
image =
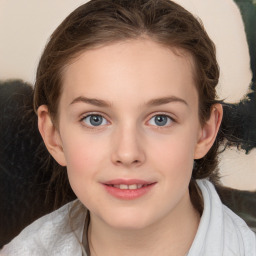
(101, 22)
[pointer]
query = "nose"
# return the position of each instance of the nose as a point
(127, 148)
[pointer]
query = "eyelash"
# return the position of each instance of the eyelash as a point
(106, 122)
(170, 120)
(90, 115)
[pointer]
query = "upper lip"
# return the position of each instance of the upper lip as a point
(127, 182)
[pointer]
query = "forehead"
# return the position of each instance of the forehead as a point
(130, 68)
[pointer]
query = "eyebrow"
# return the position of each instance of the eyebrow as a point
(165, 100)
(92, 101)
(103, 103)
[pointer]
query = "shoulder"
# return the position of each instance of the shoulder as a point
(49, 235)
(221, 231)
(238, 233)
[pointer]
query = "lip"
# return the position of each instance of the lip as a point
(128, 194)
(127, 182)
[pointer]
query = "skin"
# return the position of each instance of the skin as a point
(129, 78)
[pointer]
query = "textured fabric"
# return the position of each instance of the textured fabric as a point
(220, 232)
(50, 235)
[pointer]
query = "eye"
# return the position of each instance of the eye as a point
(160, 120)
(94, 120)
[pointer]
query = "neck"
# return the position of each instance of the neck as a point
(172, 235)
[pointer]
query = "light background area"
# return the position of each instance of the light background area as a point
(25, 26)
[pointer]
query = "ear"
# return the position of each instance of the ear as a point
(209, 132)
(50, 135)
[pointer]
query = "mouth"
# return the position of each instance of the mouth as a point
(128, 189)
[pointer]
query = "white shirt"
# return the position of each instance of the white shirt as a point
(220, 233)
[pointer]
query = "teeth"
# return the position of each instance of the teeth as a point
(123, 186)
(133, 186)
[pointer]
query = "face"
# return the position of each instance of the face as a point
(129, 129)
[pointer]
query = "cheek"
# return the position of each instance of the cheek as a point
(177, 162)
(83, 156)
(174, 154)
(83, 164)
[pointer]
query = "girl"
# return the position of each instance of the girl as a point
(126, 104)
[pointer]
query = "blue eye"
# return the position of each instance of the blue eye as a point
(160, 120)
(95, 120)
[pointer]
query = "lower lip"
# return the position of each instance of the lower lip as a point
(128, 194)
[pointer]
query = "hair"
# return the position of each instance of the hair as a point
(101, 22)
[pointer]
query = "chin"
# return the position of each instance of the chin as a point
(129, 225)
(129, 220)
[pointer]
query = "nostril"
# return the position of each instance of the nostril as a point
(128, 162)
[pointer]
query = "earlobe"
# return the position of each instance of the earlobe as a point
(50, 135)
(209, 132)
